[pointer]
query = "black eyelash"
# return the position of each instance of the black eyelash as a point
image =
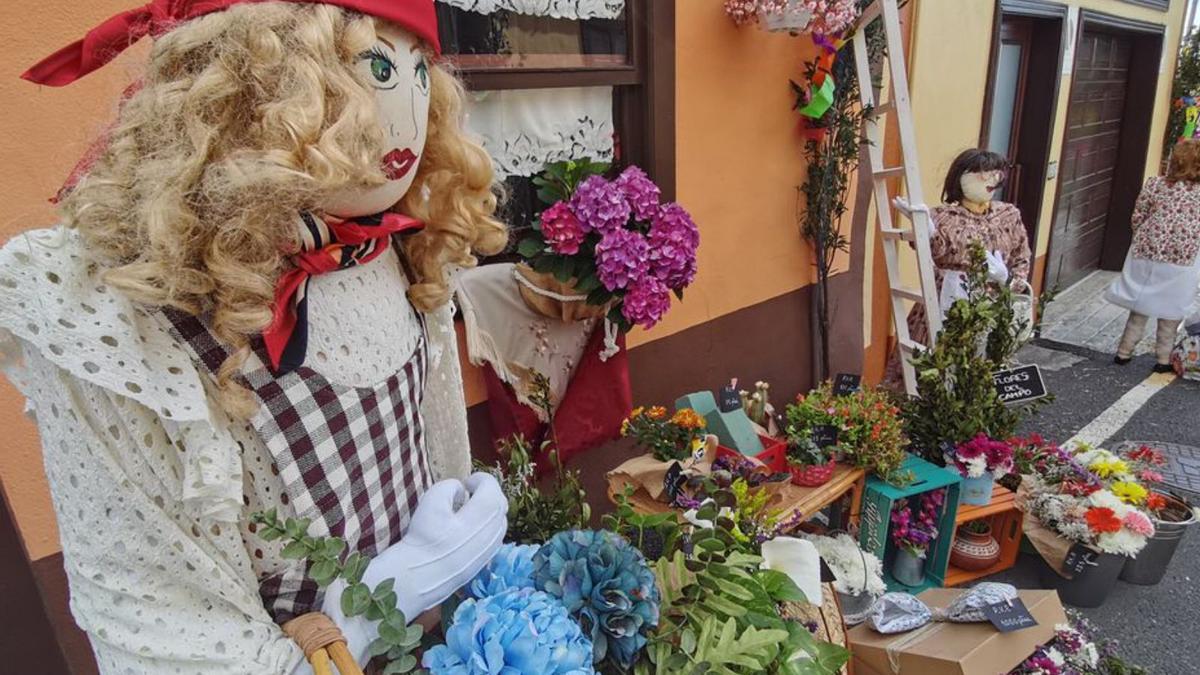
(376, 52)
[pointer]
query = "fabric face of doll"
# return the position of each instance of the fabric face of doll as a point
(398, 72)
(980, 186)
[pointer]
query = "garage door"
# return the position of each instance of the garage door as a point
(1093, 139)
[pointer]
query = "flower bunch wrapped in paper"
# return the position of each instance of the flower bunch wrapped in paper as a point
(1086, 513)
(610, 246)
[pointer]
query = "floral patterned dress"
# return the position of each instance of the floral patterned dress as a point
(1162, 269)
(958, 228)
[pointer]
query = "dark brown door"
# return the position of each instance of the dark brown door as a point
(1090, 154)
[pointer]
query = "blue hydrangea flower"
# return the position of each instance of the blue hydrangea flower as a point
(511, 567)
(518, 632)
(605, 584)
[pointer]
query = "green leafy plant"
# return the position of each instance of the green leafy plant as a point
(653, 534)
(397, 640)
(956, 398)
(534, 514)
(870, 429)
(668, 438)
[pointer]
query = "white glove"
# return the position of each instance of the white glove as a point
(997, 270)
(954, 288)
(443, 549)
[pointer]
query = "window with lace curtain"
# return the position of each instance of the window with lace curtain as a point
(564, 79)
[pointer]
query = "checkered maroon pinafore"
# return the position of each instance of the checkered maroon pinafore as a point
(352, 459)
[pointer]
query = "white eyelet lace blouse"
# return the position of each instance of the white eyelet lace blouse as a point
(153, 484)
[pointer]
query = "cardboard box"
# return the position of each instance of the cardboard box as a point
(957, 648)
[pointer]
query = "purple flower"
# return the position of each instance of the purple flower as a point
(562, 230)
(600, 205)
(646, 303)
(641, 192)
(622, 258)
(674, 239)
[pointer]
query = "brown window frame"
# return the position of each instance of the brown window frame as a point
(643, 87)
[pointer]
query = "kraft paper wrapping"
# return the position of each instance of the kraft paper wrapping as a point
(647, 473)
(1049, 544)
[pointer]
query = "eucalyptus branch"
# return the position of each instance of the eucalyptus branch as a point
(397, 641)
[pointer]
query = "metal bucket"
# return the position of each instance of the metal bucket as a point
(908, 569)
(856, 608)
(1150, 565)
(1090, 590)
(976, 491)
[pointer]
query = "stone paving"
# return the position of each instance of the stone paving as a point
(1182, 471)
(1081, 316)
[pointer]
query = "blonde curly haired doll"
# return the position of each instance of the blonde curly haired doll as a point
(246, 309)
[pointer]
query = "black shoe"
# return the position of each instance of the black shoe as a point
(1122, 360)
(1163, 368)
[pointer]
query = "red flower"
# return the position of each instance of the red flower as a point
(1077, 488)
(1156, 502)
(1148, 455)
(1103, 520)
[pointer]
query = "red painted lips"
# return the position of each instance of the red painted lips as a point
(397, 163)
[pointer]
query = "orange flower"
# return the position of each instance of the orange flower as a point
(688, 419)
(1156, 502)
(636, 412)
(657, 413)
(1102, 520)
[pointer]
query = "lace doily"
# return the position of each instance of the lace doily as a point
(559, 9)
(525, 129)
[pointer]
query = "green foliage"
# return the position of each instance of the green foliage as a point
(535, 515)
(668, 438)
(1187, 83)
(655, 535)
(870, 430)
(956, 397)
(397, 641)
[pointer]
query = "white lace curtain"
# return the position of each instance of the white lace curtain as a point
(525, 129)
(559, 9)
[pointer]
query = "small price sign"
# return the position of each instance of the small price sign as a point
(1009, 616)
(1080, 560)
(824, 435)
(845, 384)
(673, 481)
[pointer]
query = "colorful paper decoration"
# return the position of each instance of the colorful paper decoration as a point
(821, 99)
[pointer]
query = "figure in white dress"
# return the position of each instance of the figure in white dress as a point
(246, 308)
(1162, 268)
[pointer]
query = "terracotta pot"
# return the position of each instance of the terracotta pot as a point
(974, 551)
(577, 310)
(812, 475)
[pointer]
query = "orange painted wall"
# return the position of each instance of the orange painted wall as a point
(738, 164)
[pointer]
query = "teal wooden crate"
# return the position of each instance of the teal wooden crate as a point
(877, 501)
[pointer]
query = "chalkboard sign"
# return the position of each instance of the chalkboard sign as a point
(1080, 559)
(1019, 385)
(674, 480)
(824, 435)
(827, 575)
(845, 384)
(1009, 615)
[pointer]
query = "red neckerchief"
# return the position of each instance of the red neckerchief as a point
(325, 246)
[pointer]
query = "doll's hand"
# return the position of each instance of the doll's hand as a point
(997, 270)
(443, 549)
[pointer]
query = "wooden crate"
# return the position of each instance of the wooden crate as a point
(875, 520)
(791, 498)
(1006, 521)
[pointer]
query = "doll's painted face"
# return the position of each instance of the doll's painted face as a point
(399, 74)
(980, 186)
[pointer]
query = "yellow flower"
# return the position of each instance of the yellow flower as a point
(1106, 468)
(688, 419)
(1130, 493)
(625, 427)
(637, 412)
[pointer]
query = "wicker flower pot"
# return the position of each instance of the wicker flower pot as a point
(548, 303)
(812, 475)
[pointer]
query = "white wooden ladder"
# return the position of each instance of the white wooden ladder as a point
(911, 207)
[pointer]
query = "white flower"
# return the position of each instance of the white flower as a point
(846, 560)
(1122, 542)
(1056, 657)
(1091, 654)
(1105, 499)
(976, 466)
(797, 558)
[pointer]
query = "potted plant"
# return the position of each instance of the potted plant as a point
(1173, 516)
(867, 423)
(859, 574)
(980, 461)
(974, 546)
(605, 247)
(809, 464)
(667, 437)
(913, 531)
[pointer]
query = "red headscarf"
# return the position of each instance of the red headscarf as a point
(104, 42)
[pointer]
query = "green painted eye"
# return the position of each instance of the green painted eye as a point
(381, 68)
(422, 71)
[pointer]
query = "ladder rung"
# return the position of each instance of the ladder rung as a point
(909, 294)
(883, 109)
(893, 172)
(896, 233)
(869, 14)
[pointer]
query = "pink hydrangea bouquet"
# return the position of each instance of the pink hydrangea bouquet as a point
(826, 17)
(613, 242)
(981, 455)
